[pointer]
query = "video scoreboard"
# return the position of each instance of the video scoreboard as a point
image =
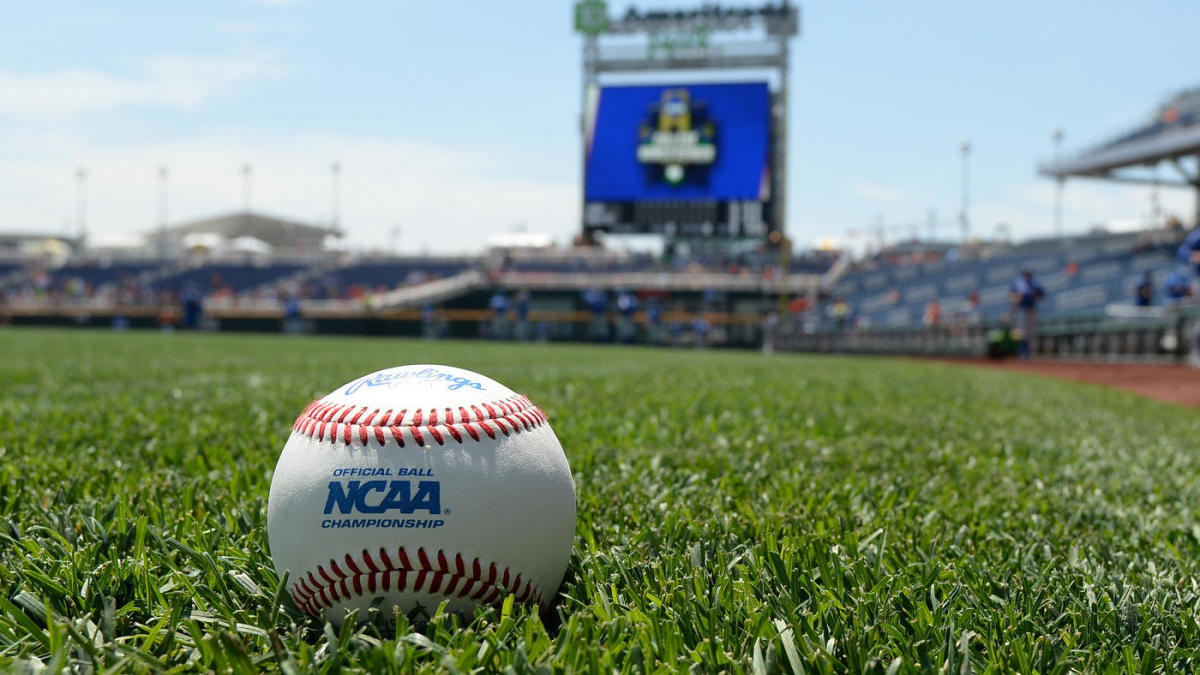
(679, 160)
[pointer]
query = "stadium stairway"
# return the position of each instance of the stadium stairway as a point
(836, 271)
(438, 290)
(284, 285)
(152, 276)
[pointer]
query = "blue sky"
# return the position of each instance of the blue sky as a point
(454, 121)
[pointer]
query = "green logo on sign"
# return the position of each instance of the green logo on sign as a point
(591, 16)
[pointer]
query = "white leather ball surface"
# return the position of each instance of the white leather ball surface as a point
(419, 484)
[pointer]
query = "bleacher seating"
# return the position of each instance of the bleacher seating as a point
(100, 273)
(1080, 278)
(754, 263)
(238, 277)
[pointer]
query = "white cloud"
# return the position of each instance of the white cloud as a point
(176, 81)
(444, 199)
(880, 194)
(1029, 207)
(238, 28)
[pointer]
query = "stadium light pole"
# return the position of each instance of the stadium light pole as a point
(81, 202)
(247, 170)
(964, 215)
(335, 170)
(785, 273)
(1059, 182)
(162, 210)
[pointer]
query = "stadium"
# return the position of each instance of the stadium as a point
(924, 453)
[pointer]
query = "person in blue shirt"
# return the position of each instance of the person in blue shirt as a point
(192, 299)
(522, 328)
(1189, 250)
(1026, 293)
(499, 305)
(429, 328)
(654, 320)
(596, 301)
(1144, 295)
(293, 321)
(627, 305)
(1189, 253)
(700, 329)
(1177, 286)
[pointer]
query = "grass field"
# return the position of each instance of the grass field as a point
(736, 512)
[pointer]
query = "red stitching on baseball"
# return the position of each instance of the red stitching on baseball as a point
(348, 424)
(457, 580)
(398, 435)
(471, 430)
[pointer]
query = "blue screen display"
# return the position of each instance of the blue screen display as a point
(679, 143)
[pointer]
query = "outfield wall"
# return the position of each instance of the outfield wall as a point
(674, 328)
(1087, 338)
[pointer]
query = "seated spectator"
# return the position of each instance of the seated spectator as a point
(841, 312)
(933, 313)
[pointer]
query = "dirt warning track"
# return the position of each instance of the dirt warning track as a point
(1172, 383)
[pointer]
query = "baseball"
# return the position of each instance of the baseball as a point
(417, 485)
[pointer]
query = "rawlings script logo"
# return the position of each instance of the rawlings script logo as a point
(427, 374)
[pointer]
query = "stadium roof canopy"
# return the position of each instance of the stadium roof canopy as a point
(17, 239)
(1172, 134)
(280, 234)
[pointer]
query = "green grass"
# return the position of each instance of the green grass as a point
(736, 512)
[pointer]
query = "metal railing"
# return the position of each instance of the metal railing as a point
(1157, 336)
